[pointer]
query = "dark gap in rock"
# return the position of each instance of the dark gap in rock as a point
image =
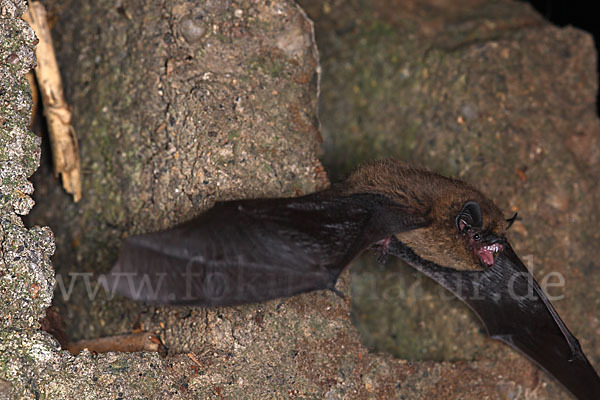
(580, 14)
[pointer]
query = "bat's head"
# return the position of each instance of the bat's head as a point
(485, 242)
(465, 230)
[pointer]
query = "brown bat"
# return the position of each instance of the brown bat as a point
(255, 250)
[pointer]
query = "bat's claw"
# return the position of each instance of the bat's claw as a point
(383, 250)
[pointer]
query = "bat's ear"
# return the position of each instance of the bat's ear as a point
(511, 221)
(469, 216)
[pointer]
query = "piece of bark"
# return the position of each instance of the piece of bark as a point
(63, 139)
(129, 343)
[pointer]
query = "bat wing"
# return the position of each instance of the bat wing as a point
(515, 310)
(255, 250)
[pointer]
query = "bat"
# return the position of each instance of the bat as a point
(255, 250)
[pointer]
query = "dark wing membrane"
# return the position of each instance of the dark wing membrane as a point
(255, 250)
(514, 310)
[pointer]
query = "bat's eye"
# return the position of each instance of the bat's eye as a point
(477, 237)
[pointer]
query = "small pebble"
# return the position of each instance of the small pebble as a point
(192, 29)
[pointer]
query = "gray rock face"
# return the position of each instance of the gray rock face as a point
(178, 105)
(26, 276)
(31, 364)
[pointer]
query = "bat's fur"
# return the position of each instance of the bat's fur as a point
(435, 197)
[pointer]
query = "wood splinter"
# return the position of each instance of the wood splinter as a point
(63, 139)
(129, 343)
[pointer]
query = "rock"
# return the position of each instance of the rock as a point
(168, 125)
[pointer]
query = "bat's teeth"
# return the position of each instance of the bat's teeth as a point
(492, 247)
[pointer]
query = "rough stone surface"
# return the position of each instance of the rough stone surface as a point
(489, 92)
(222, 107)
(26, 277)
(473, 91)
(31, 364)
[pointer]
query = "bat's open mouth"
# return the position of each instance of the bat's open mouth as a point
(487, 253)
